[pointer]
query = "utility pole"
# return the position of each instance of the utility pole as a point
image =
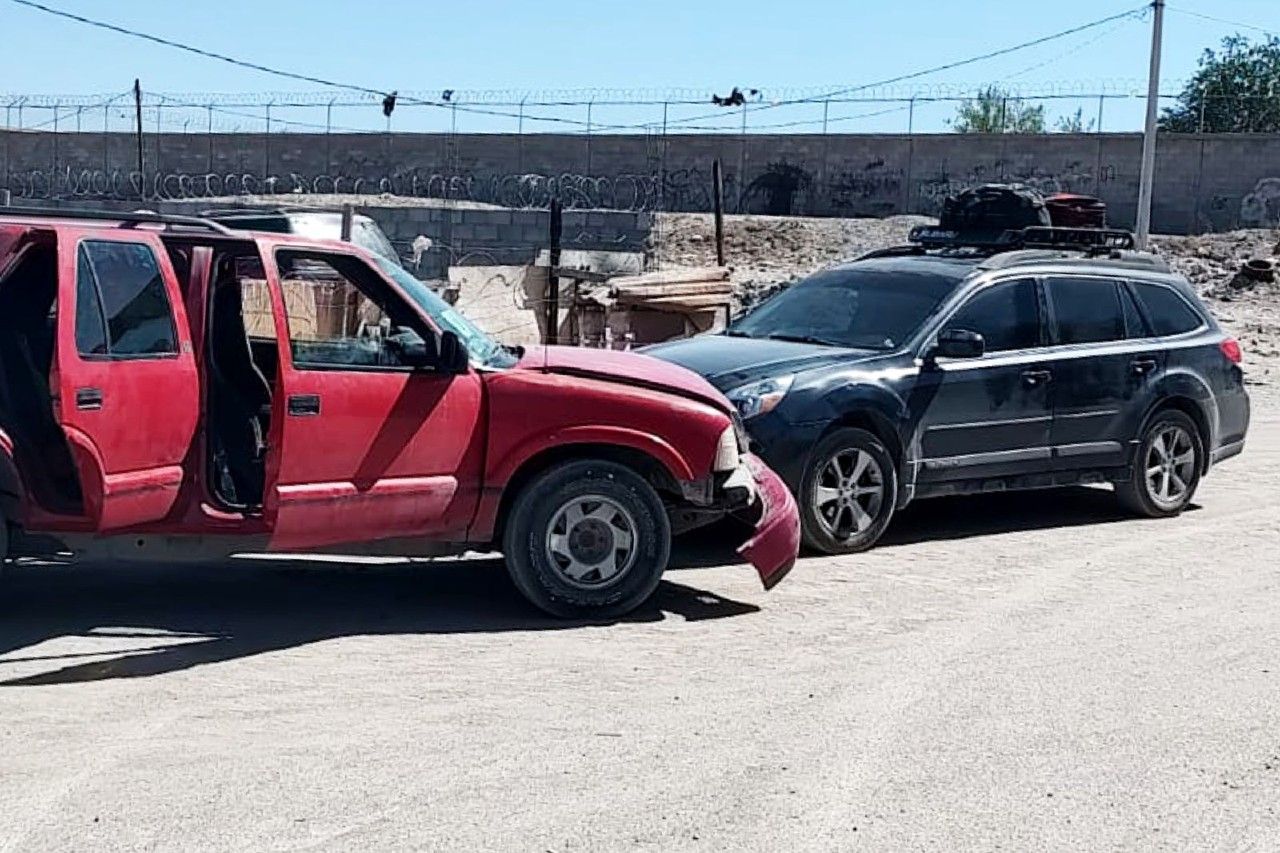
(1147, 179)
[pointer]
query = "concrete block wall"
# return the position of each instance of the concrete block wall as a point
(1203, 182)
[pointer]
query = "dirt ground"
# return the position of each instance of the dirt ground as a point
(1020, 672)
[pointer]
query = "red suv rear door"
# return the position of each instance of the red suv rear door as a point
(362, 446)
(125, 378)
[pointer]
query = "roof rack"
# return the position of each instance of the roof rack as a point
(122, 219)
(992, 241)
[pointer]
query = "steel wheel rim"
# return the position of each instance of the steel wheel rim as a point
(848, 493)
(591, 541)
(1169, 467)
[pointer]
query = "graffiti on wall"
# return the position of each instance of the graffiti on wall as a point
(1261, 208)
(616, 192)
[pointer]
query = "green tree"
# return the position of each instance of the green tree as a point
(1075, 123)
(994, 110)
(1235, 90)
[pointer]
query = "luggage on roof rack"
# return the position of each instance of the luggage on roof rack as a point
(992, 209)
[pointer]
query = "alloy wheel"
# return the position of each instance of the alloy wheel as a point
(849, 493)
(1170, 466)
(591, 541)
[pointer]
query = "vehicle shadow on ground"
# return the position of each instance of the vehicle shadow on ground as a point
(962, 517)
(178, 617)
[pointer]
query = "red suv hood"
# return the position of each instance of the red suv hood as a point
(628, 368)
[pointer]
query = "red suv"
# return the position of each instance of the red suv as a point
(172, 387)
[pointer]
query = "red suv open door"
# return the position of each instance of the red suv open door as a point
(363, 445)
(125, 382)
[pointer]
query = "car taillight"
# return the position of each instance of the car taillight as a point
(1231, 349)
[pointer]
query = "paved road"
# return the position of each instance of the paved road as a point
(1022, 672)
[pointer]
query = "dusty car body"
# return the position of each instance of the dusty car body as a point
(171, 386)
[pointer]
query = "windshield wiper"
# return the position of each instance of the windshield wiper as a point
(805, 339)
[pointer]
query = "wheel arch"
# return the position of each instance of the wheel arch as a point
(654, 471)
(1192, 409)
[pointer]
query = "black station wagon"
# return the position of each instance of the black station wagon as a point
(936, 369)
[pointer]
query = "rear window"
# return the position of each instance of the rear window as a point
(122, 308)
(1087, 310)
(1167, 312)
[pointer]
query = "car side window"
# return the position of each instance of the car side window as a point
(1134, 325)
(1168, 312)
(122, 307)
(1006, 315)
(1087, 310)
(339, 312)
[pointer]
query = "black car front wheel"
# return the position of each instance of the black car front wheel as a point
(1166, 467)
(848, 492)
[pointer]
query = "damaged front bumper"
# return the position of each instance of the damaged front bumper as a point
(773, 548)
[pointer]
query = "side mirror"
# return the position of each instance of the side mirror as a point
(411, 349)
(959, 343)
(453, 354)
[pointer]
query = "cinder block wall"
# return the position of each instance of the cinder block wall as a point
(1203, 182)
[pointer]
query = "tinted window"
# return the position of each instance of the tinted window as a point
(1007, 316)
(1087, 310)
(1134, 325)
(91, 329)
(1168, 312)
(131, 301)
(855, 307)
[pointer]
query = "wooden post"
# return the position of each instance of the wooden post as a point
(348, 220)
(717, 196)
(553, 281)
(137, 106)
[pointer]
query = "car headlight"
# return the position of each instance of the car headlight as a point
(728, 456)
(761, 397)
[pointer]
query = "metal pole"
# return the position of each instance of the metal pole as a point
(209, 107)
(1147, 179)
(826, 111)
(1204, 98)
(553, 281)
(717, 199)
(348, 219)
(137, 111)
(266, 148)
(1102, 102)
(328, 141)
(911, 116)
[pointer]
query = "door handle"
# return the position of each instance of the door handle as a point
(1142, 366)
(304, 405)
(1032, 378)
(89, 399)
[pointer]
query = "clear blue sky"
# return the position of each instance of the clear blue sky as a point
(519, 45)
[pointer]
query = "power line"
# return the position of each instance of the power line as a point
(441, 104)
(1132, 13)
(1204, 17)
(208, 54)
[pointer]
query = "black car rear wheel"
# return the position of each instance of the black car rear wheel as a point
(1166, 467)
(848, 492)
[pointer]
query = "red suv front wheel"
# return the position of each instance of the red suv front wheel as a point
(588, 539)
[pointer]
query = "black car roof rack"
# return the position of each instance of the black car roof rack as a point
(121, 218)
(993, 241)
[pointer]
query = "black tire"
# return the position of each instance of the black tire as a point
(1144, 493)
(544, 573)
(821, 524)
